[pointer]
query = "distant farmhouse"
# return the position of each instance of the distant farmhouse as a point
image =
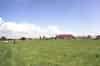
(65, 36)
(98, 37)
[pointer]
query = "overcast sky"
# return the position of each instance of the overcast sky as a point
(69, 16)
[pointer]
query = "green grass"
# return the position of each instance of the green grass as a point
(51, 53)
(5, 55)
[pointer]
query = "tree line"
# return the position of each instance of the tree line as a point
(57, 37)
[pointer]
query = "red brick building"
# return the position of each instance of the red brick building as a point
(64, 36)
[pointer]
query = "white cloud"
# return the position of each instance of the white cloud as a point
(14, 29)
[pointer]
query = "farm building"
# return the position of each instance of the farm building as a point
(98, 37)
(64, 36)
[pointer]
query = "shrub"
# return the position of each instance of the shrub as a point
(3, 38)
(22, 38)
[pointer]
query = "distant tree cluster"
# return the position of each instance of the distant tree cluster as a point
(84, 37)
(47, 38)
(24, 38)
(3, 38)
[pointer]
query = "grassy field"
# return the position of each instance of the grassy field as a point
(51, 53)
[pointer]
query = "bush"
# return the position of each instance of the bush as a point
(3, 38)
(22, 38)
